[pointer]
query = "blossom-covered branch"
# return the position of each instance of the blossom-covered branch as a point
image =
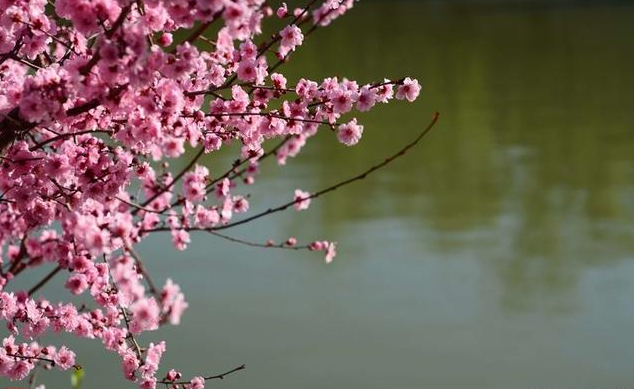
(96, 102)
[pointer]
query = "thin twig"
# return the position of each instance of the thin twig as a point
(139, 264)
(213, 377)
(33, 358)
(44, 280)
(255, 244)
(137, 348)
(138, 206)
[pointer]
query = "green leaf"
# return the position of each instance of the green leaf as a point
(76, 377)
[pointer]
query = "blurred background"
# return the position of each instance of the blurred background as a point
(498, 254)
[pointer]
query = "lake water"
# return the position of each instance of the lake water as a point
(498, 254)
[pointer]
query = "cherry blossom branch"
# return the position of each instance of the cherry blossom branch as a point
(213, 377)
(53, 37)
(308, 32)
(173, 181)
(137, 348)
(84, 70)
(144, 273)
(139, 207)
(32, 358)
(228, 173)
(126, 320)
(268, 245)
(67, 135)
(271, 114)
(27, 63)
(13, 126)
(12, 52)
(336, 186)
(263, 157)
(227, 84)
(277, 37)
(21, 254)
(267, 87)
(321, 192)
(52, 362)
(71, 202)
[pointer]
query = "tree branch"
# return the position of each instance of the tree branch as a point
(321, 192)
(213, 377)
(172, 182)
(336, 186)
(44, 280)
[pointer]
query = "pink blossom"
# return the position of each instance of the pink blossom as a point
(147, 382)
(291, 38)
(129, 364)
(145, 315)
(5, 362)
(330, 252)
(302, 200)
(366, 99)
(174, 147)
(196, 383)
(384, 92)
(172, 375)
(8, 306)
(222, 189)
(408, 90)
(279, 81)
(77, 283)
(240, 204)
(173, 301)
(19, 370)
(64, 358)
(247, 70)
(342, 101)
(328, 247)
(282, 11)
(306, 89)
(165, 39)
(349, 133)
(180, 239)
(154, 353)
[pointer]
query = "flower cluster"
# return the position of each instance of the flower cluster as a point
(96, 98)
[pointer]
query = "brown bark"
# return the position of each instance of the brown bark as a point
(12, 127)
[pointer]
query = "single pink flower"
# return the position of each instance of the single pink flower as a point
(330, 252)
(197, 383)
(366, 99)
(409, 90)
(77, 283)
(282, 11)
(350, 133)
(247, 70)
(64, 358)
(302, 200)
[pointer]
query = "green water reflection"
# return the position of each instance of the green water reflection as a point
(532, 161)
(497, 255)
